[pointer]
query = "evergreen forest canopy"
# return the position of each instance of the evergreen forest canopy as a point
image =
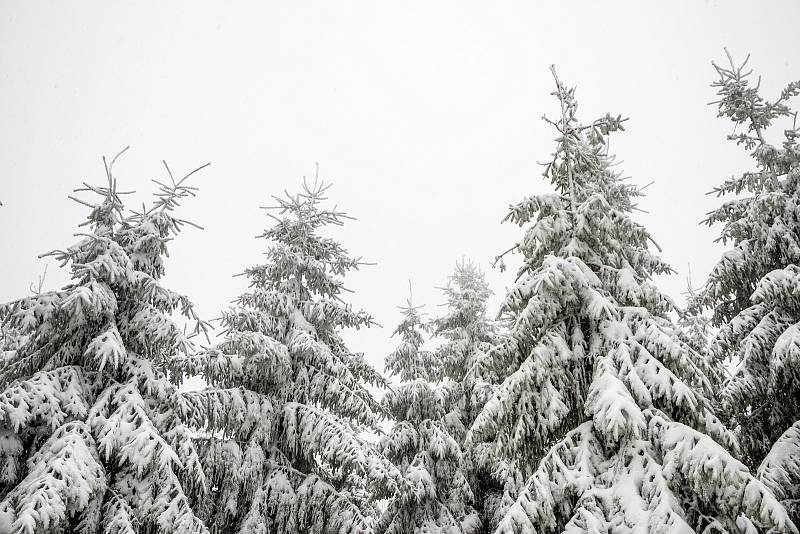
(589, 402)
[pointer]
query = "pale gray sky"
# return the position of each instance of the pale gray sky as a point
(425, 115)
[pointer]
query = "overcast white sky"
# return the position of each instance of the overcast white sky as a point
(425, 115)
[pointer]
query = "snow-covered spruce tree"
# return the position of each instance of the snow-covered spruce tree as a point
(407, 362)
(694, 326)
(754, 290)
(468, 337)
(279, 426)
(602, 403)
(422, 443)
(91, 431)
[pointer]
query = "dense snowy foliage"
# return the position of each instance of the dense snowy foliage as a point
(93, 436)
(425, 441)
(280, 424)
(754, 290)
(591, 403)
(602, 403)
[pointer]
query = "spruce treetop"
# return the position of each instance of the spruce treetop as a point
(465, 327)
(759, 224)
(408, 361)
